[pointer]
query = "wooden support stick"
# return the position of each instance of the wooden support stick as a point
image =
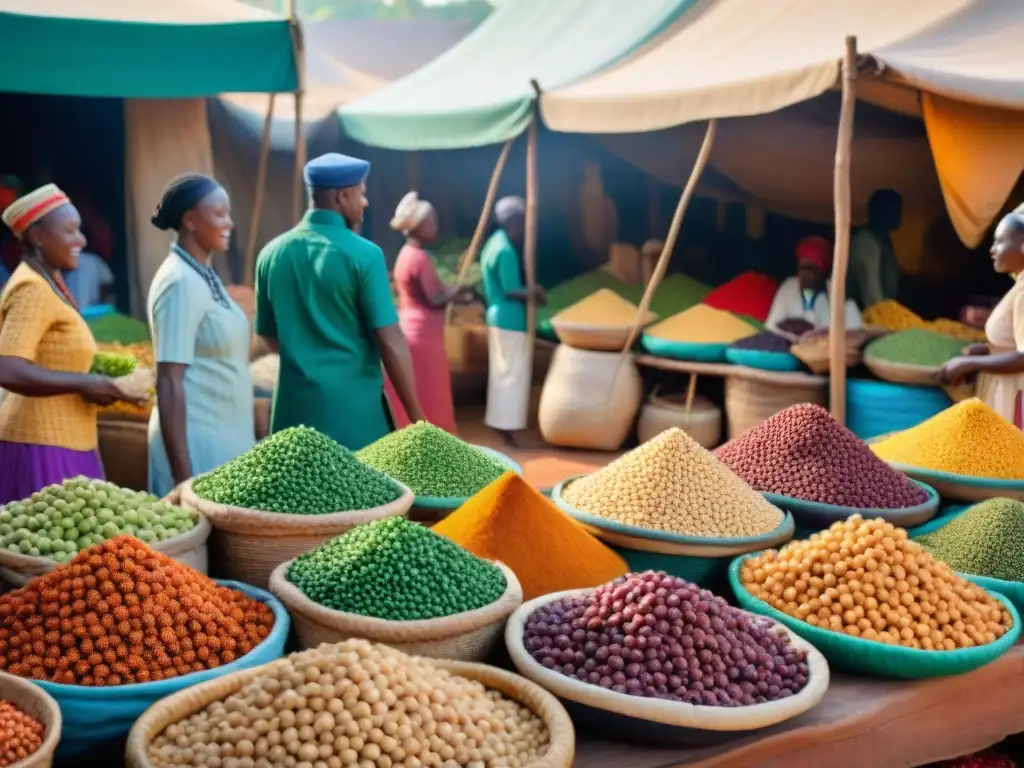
(530, 240)
(691, 393)
(299, 48)
(841, 258)
(249, 263)
(673, 234)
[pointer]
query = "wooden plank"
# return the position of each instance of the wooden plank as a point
(786, 378)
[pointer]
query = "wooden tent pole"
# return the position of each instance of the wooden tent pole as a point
(841, 257)
(673, 233)
(249, 263)
(485, 216)
(530, 240)
(299, 49)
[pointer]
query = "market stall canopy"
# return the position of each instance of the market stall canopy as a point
(732, 58)
(132, 49)
(480, 91)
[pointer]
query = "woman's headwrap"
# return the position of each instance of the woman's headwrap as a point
(815, 250)
(509, 208)
(29, 209)
(410, 213)
(181, 194)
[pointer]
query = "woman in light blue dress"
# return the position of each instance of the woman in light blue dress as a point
(201, 337)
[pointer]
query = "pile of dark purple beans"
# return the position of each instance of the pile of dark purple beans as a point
(766, 341)
(654, 635)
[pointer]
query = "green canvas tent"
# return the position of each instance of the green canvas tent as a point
(480, 91)
(133, 49)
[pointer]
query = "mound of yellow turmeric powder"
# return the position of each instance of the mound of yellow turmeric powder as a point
(702, 324)
(602, 308)
(968, 438)
(893, 316)
(546, 549)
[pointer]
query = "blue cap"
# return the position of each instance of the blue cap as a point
(334, 171)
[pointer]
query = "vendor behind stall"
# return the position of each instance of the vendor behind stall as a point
(1000, 363)
(874, 273)
(806, 297)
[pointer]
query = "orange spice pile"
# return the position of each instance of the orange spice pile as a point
(20, 735)
(120, 613)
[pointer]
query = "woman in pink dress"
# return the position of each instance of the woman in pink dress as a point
(422, 299)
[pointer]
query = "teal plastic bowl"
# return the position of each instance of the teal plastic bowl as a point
(682, 350)
(815, 516)
(947, 514)
(1012, 590)
(765, 361)
(854, 654)
(454, 502)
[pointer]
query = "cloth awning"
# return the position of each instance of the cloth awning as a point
(133, 49)
(480, 93)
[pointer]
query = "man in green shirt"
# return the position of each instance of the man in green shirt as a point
(324, 304)
(510, 359)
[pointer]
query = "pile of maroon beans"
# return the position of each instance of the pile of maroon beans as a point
(766, 341)
(654, 635)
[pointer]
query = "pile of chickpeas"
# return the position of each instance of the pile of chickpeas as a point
(21, 735)
(355, 704)
(866, 578)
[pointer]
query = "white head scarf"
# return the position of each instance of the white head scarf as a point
(410, 213)
(508, 208)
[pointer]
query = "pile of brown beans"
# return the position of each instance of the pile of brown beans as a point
(804, 453)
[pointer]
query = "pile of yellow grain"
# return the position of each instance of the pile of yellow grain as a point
(893, 316)
(602, 308)
(702, 324)
(968, 438)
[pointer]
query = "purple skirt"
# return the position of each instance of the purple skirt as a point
(25, 468)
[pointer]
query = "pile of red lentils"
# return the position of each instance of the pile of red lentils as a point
(120, 613)
(20, 735)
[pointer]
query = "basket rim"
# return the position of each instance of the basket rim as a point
(992, 584)
(871, 360)
(561, 751)
(790, 502)
(282, 624)
(748, 357)
(454, 502)
(787, 524)
(896, 654)
(700, 351)
(53, 722)
(418, 630)
(673, 713)
(576, 326)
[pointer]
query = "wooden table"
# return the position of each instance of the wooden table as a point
(860, 723)
(792, 378)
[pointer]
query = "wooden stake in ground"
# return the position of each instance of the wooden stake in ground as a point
(530, 240)
(299, 48)
(841, 257)
(249, 262)
(673, 233)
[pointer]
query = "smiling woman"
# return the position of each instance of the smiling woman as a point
(204, 412)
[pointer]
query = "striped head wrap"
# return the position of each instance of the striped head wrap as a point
(30, 208)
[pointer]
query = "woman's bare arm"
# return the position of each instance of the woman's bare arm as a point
(170, 396)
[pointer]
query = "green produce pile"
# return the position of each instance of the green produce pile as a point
(113, 364)
(986, 540)
(397, 570)
(118, 328)
(297, 471)
(447, 255)
(60, 520)
(915, 347)
(433, 462)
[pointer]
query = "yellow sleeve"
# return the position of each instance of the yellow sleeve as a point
(22, 321)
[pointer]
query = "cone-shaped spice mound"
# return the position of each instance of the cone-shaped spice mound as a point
(433, 462)
(603, 307)
(670, 483)
(298, 471)
(984, 540)
(968, 438)
(121, 613)
(396, 570)
(803, 453)
(546, 549)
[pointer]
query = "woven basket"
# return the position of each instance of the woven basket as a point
(748, 402)
(188, 548)
(854, 654)
(815, 516)
(703, 423)
(597, 338)
(36, 703)
(176, 708)
(249, 544)
(589, 400)
(465, 636)
(124, 450)
(726, 720)
(902, 373)
(815, 356)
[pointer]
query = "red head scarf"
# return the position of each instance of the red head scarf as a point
(815, 250)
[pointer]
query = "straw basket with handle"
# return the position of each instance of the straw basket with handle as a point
(466, 636)
(38, 704)
(560, 753)
(250, 543)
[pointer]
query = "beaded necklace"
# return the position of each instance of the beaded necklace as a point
(208, 273)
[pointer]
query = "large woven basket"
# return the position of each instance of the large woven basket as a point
(466, 636)
(633, 713)
(124, 449)
(36, 703)
(748, 402)
(597, 338)
(188, 548)
(816, 356)
(703, 422)
(249, 544)
(902, 373)
(176, 708)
